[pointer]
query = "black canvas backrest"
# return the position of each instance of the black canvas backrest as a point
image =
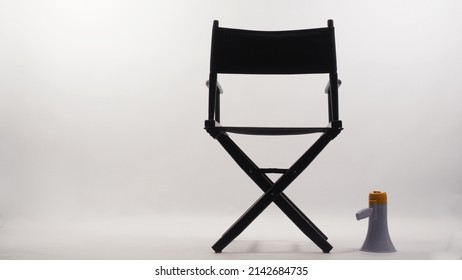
(306, 51)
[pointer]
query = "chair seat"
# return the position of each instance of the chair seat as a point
(273, 130)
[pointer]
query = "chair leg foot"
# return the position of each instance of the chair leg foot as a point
(216, 250)
(326, 248)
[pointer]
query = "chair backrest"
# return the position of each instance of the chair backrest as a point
(306, 51)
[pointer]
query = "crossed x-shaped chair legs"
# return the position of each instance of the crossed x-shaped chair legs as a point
(273, 191)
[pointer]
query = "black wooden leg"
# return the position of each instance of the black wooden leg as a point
(284, 203)
(272, 193)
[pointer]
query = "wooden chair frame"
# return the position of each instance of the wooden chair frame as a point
(309, 51)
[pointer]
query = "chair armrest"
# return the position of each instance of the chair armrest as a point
(327, 89)
(220, 89)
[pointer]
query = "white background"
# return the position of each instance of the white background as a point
(102, 106)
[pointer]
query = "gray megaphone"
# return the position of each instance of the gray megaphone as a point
(377, 239)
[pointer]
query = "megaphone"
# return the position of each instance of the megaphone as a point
(378, 238)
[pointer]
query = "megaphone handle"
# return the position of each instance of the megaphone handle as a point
(364, 213)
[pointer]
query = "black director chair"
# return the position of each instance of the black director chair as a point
(310, 51)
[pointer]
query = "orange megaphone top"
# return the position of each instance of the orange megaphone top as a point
(377, 197)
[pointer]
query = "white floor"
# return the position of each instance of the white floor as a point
(190, 237)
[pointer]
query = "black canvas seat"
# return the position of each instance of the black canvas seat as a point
(267, 130)
(308, 51)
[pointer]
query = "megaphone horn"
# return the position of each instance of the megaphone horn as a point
(378, 238)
